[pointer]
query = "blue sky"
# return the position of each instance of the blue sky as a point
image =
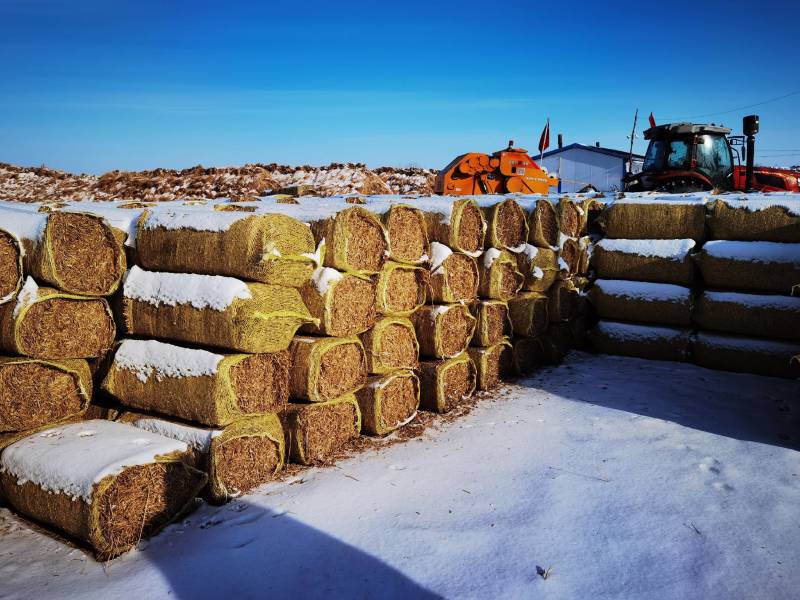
(91, 86)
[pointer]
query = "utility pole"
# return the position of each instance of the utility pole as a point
(633, 135)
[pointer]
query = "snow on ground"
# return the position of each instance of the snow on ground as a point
(623, 478)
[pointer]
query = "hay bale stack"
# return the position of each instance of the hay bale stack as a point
(656, 218)
(492, 364)
(543, 227)
(539, 267)
(661, 303)
(750, 266)
(324, 368)
(641, 341)
(457, 224)
(752, 219)
(388, 402)
(212, 310)
(445, 383)
(407, 232)
(749, 314)
(401, 289)
(355, 240)
(343, 303)
(498, 277)
(49, 324)
(236, 459)
(443, 331)
(268, 248)
(316, 431)
(746, 355)
(492, 324)
(506, 221)
(391, 345)
(454, 276)
(197, 385)
(36, 392)
(528, 314)
(658, 261)
(104, 483)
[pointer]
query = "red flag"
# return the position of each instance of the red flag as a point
(652, 120)
(544, 139)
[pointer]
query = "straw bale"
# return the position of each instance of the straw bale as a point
(543, 225)
(498, 277)
(456, 279)
(355, 240)
(407, 231)
(641, 341)
(507, 225)
(36, 392)
(569, 255)
(316, 431)
(556, 342)
(492, 324)
(401, 289)
(751, 274)
(775, 223)
(585, 247)
(539, 266)
(527, 353)
(343, 303)
(592, 209)
(654, 220)
(388, 402)
(570, 217)
(324, 368)
(749, 314)
(11, 273)
(740, 354)
(267, 248)
(445, 383)
(661, 303)
(562, 301)
(528, 314)
(443, 331)
(657, 269)
(460, 226)
(390, 345)
(492, 364)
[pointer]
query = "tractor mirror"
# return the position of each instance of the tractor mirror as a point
(750, 125)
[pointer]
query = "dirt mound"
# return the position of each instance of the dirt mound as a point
(410, 180)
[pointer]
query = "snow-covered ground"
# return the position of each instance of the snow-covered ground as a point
(620, 478)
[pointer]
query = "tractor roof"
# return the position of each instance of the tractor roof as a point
(671, 129)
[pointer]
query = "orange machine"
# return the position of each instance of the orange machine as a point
(509, 170)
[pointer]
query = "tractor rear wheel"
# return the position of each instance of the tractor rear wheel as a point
(682, 185)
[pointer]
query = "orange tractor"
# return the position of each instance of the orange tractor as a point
(509, 170)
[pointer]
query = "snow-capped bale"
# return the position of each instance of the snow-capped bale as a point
(36, 392)
(445, 383)
(237, 458)
(749, 314)
(390, 345)
(212, 310)
(316, 431)
(658, 261)
(528, 314)
(406, 228)
(457, 224)
(268, 248)
(755, 218)
(324, 368)
(454, 276)
(343, 303)
(401, 289)
(498, 277)
(11, 271)
(49, 324)
(656, 218)
(388, 402)
(641, 341)
(746, 354)
(506, 222)
(663, 303)
(543, 226)
(234, 207)
(492, 324)
(197, 385)
(750, 266)
(355, 240)
(571, 220)
(78, 253)
(443, 331)
(563, 301)
(104, 483)
(539, 266)
(492, 364)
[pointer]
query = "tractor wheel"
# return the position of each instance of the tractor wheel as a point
(681, 185)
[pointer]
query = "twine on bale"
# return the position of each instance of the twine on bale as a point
(401, 289)
(443, 331)
(388, 402)
(315, 431)
(445, 383)
(343, 303)
(528, 314)
(325, 368)
(355, 241)
(390, 345)
(460, 225)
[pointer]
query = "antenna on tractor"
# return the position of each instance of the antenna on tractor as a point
(633, 135)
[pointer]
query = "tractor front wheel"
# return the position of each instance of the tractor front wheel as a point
(682, 185)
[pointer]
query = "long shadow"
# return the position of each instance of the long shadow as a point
(736, 405)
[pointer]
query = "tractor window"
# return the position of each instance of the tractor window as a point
(678, 154)
(714, 157)
(654, 159)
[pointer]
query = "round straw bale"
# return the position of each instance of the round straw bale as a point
(453, 279)
(401, 289)
(543, 225)
(324, 368)
(641, 341)
(355, 240)
(499, 278)
(268, 248)
(316, 431)
(528, 314)
(445, 383)
(638, 260)
(46, 323)
(390, 345)
(749, 314)
(493, 364)
(570, 217)
(11, 273)
(746, 355)
(765, 220)
(443, 331)
(492, 324)
(406, 228)
(37, 392)
(750, 266)
(657, 219)
(663, 303)
(507, 225)
(388, 402)
(344, 303)
(460, 226)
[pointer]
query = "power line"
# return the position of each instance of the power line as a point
(725, 112)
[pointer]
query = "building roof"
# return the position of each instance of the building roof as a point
(608, 151)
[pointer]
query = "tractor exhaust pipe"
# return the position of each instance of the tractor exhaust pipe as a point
(750, 129)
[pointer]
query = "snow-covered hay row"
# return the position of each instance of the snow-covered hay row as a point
(660, 303)
(641, 341)
(755, 219)
(324, 368)
(750, 266)
(498, 277)
(443, 331)
(401, 289)
(388, 402)
(342, 303)
(769, 316)
(445, 383)
(391, 345)
(657, 261)
(454, 276)
(316, 431)
(656, 218)
(493, 364)
(492, 324)
(746, 354)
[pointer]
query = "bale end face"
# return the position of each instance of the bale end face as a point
(243, 463)
(366, 243)
(391, 346)
(10, 267)
(320, 430)
(407, 232)
(260, 382)
(493, 364)
(443, 384)
(403, 290)
(349, 308)
(492, 324)
(509, 226)
(471, 229)
(341, 371)
(389, 402)
(543, 225)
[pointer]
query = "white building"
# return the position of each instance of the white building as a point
(579, 166)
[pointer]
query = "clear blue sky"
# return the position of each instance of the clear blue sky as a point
(90, 86)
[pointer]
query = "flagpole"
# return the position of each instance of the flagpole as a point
(541, 149)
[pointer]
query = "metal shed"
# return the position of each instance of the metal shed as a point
(579, 166)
